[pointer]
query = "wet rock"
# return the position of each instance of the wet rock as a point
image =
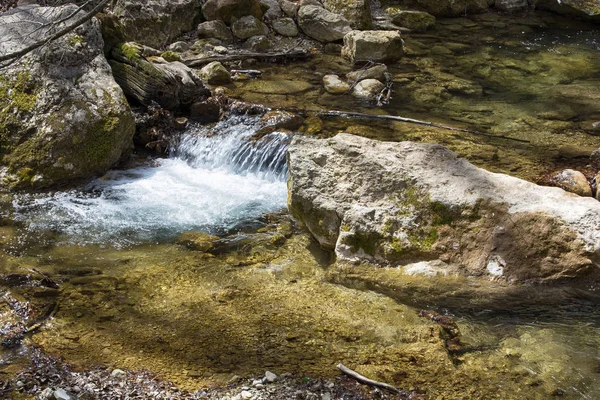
(357, 12)
(215, 29)
(367, 89)
(597, 180)
(375, 72)
(428, 204)
(281, 86)
(63, 117)
(226, 10)
(248, 26)
(285, 27)
(215, 73)
(274, 120)
(511, 5)
(574, 182)
(454, 7)
(198, 241)
(579, 8)
(595, 159)
(372, 46)
(322, 25)
(258, 44)
(205, 111)
(417, 21)
(334, 85)
(170, 84)
(154, 22)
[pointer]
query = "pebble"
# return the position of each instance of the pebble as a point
(117, 372)
(19, 384)
(259, 386)
(61, 394)
(269, 377)
(46, 394)
(246, 395)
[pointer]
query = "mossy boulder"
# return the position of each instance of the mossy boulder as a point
(399, 203)
(589, 9)
(170, 84)
(62, 115)
(154, 23)
(450, 7)
(358, 12)
(417, 21)
(226, 10)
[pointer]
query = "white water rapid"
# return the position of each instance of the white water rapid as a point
(215, 178)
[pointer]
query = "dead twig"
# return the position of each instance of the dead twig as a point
(198, 62)
(363, 379)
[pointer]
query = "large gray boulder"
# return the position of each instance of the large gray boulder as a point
(373, 46)
(453, 7)
(62, 115)
(322, 25)
(226, 10)
(154, 23)
(580, 8)
(358, 12)
(401, 203)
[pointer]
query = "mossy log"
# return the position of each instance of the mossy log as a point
(170, 84)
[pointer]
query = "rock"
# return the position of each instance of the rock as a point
(61, 394)
(591, 127)
(574, 182)
(454, 7)
(258, 44)
(280, 86)
(118, 372)
(46, 394)
(373, 46)
(170, 84)
(215, 29)
(246, 395)
(215, 73)
(402, 203)
(155, 22)
(275, 120)
(270, 377)
(322, 25)
(248, 26)
(579, 8)
(285, 27)
(179, 47)
(181, 123)
(357, 12)
(206, 111)
(225, 10)
(511, 5)
(198, 241)
(273, 10)
(417, 21)
(334, 85)
(367, 89)
(63, 117)
(289, 8)
(597, 179)
(375, 72)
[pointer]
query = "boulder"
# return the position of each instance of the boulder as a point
(225, 10)
(322, 25)
(273, 10)
(275, 120)
(357, 12)
(170, 84)
(215, 73)
(154, 23)
(215, 29)
(248, 26)
(257, 44)
(373, 46)
(334, 85)
(402, 203)
(511, 5)
(447, 8)
(573, 181)
(289, 8)
(418, 21)
(285, 27)
(367, 89)
(589, 9)
(62, 115)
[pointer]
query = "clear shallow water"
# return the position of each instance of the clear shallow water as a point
(214, 179)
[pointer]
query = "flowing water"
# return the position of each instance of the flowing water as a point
(131, 294)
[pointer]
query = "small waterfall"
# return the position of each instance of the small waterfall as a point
(214, 179)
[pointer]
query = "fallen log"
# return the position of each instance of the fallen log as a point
(198, 62)
(350, 114)
(363, 379)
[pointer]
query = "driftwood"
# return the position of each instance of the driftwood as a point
(198, 62)
(367, 381)
(349, 114)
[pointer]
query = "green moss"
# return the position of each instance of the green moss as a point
(367, 242)
(18, 95)
(75, 39)
(130, 51)
(171, 56)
